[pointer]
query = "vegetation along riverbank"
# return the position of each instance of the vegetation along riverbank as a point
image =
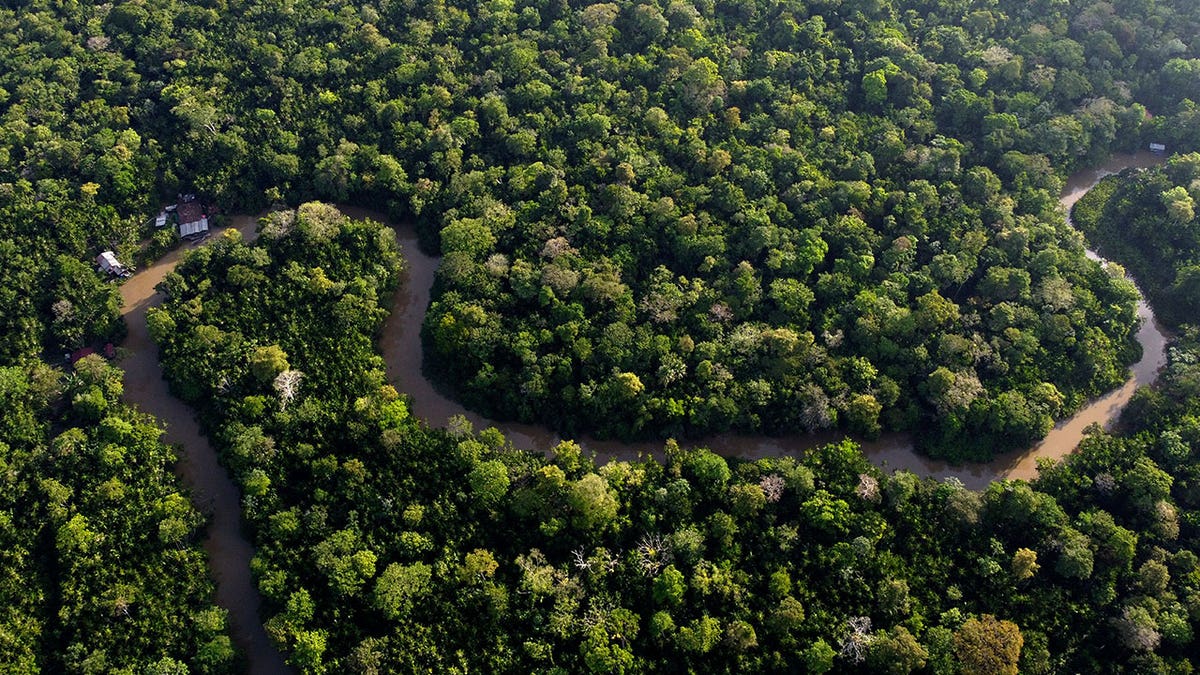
(815, 242)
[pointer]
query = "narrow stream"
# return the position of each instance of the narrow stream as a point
(400, 343)
(213, 492)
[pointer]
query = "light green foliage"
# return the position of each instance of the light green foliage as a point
(699, 636)
(1179, 205)
(818, 658)
(307, 651)
(489, 481)
(669, 586)
(862, 415)
(478, 565)
(896, 651)
(592, 502)
(268, 362)
(467, 235)
(708, 470)
(399, 586)
(346, 565)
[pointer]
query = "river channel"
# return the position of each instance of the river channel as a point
(229, 552)
(400, 343)
(213, 493)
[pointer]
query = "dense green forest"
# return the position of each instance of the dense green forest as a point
(1147, 221)
(657, 218)
(386, 546)
(661, 219)
(100, 566)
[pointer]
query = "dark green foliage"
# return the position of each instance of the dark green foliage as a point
(101, 552)
(385, 542)
(656, 219)
(1146, 221)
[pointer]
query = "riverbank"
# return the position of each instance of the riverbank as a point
(400, 343)
(212, 491)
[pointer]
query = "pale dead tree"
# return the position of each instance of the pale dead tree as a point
(868, 488)
(816, 413)
(556, 247)
(497, 265)
(662, 306)
(223, 385)
(278, 224)
(653, 551)
(581, 561)
(1104, 483)
(995, 56)
(857, 640)
(772, 487)
(287, 385)
(1137, 629)
(63, 310)
(1167, 522)
(720, 312)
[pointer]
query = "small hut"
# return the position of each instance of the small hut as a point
(194, 228)
(107, 262)
(193, 221)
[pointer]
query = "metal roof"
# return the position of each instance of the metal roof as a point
(195, 227)
(108, 261)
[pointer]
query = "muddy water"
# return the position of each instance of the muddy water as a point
(401, 346)
(213, 492)
(229, 552)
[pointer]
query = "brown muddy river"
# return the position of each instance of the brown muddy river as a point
(401, 346)
(214, 493)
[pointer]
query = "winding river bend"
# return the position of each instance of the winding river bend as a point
(213, 492)
(401, 346)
